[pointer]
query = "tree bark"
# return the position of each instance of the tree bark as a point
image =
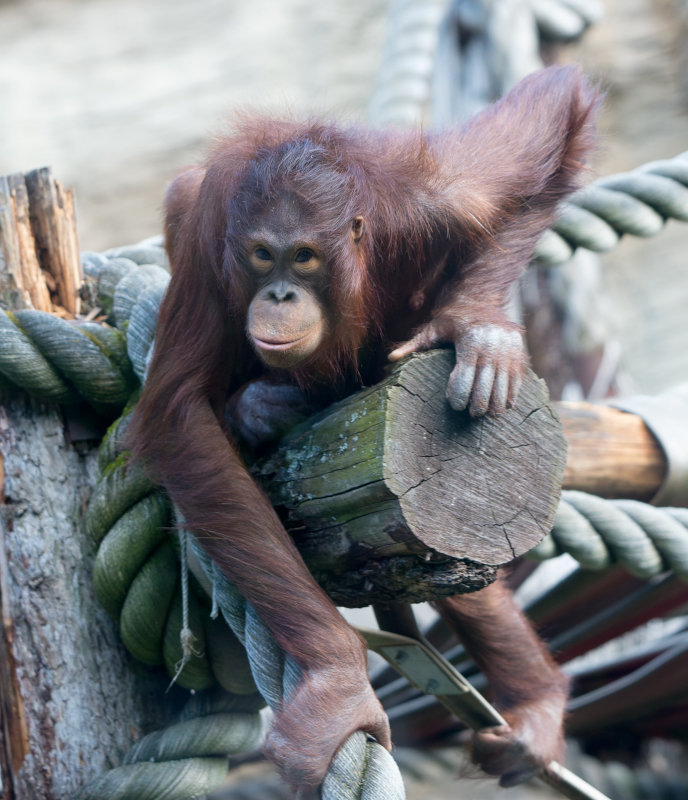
(72, 700)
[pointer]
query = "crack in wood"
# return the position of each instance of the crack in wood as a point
(344, 492)
(422, 480)
(535, 411)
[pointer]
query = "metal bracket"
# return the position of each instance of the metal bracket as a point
(431, 673)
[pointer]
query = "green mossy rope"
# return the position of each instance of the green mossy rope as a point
(62, 361)
(126, 547)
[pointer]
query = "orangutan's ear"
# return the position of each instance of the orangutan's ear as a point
(357, 228)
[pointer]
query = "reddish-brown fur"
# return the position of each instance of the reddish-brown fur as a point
(449, 222)
(526, 685)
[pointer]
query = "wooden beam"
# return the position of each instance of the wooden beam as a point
(611, 453)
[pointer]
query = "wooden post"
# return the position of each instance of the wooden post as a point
(72, 700)
(391, 494)
(39, 250)
(611, 453)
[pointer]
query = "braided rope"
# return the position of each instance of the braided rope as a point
(182, 762)
(131, 282)
(637, 202)
(362, 769)
(596, 532)
(402, 84)
(62, 361)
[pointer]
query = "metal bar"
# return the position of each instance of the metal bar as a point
(429, 672)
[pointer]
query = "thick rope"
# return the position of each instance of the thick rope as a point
(402, 84)
(62, 362)
(182, 762)
(422, 62)
(596, 532)
(637, 202)
(362, 769)
(131, 282)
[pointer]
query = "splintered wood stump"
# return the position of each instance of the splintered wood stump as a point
(39, 250)
(392, 495)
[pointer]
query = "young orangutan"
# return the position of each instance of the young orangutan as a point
(303, 257)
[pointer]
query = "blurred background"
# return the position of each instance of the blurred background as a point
(117, 96)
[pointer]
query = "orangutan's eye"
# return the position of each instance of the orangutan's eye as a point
(304, 255)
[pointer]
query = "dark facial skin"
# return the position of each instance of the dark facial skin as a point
(286, 321)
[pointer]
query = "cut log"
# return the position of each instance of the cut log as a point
(392, 494)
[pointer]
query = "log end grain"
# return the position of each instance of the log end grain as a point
(485, 489)
(392, 494)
